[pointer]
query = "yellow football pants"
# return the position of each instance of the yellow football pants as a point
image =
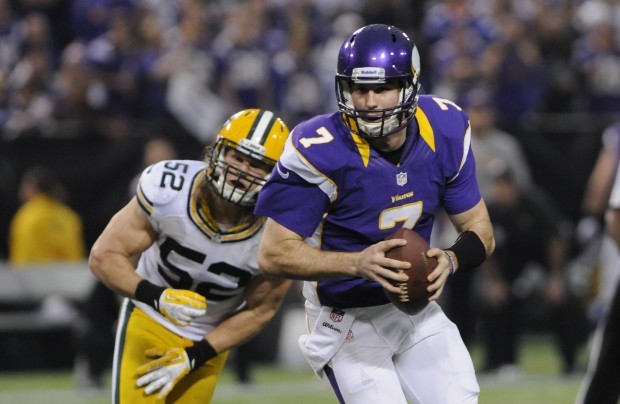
(136, 333)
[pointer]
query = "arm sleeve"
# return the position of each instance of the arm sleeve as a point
(283, 201)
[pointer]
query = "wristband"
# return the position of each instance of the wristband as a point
(199, 353)
(452, 265)
(148, 293)
(469, 250)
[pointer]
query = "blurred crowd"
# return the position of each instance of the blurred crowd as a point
(91, 67)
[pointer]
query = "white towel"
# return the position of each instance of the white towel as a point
(330, 330)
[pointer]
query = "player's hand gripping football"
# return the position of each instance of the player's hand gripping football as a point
(374, 265)
(439, 276)
(164, 371)
(181, 306)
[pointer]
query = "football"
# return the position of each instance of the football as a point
(413, 296)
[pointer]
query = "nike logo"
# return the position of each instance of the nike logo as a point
(282, 174)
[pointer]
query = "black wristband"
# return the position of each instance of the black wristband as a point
(199, 353)
(148, 293)
(469, 250)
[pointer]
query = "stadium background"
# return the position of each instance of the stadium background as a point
(280, 54)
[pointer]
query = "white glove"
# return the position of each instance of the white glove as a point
(164, 372)
(181, 306)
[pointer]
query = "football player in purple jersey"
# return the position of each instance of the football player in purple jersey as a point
(388, 158)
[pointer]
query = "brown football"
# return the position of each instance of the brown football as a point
(413, 296)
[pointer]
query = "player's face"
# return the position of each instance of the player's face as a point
(375, 97)
(242, 163)
(371, 97)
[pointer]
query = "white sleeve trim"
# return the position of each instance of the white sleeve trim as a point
(294, 161)
(466, 144)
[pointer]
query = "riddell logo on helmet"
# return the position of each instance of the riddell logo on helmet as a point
(368, 72)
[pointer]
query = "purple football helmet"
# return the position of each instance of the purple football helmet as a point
(377, 54)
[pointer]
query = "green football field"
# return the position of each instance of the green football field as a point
(540, 382)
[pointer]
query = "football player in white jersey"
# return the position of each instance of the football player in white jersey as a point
(183, 253)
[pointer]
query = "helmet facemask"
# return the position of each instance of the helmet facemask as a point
(231, 183)
(245, 152)
(377, 122)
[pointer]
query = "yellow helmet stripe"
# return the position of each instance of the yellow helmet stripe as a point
(259, 132)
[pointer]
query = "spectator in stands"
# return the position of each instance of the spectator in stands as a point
(37, 35)
(74, 92)
(10, 36)
(408, 15)
(455, 59)
(491, 145)
(241, 45)
(555, 34)
(596, 57)
(112, 57)
(445, 15)
(29, 104)
(515, 70)
(155, 65)
(44, 229)
(297, 83)
(492, 148)
(189, 65)
(591, 12)
(91, 18)
(528, 233)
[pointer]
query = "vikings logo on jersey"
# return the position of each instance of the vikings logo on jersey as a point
(344, 196)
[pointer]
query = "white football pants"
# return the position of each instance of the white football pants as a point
(396, 358)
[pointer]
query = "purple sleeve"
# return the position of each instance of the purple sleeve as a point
(462, 193)
(294, 204)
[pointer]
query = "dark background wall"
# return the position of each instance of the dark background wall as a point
(96, 172)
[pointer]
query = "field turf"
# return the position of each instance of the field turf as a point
(539, 382)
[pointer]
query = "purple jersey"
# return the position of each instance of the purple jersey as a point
(332, 188)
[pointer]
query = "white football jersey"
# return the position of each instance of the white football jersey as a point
(192, 252)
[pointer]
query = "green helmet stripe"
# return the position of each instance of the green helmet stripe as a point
(261, 127)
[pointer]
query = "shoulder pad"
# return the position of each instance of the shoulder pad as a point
(322, 142)
(162, 182)
(445, 126)
(445, 117)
